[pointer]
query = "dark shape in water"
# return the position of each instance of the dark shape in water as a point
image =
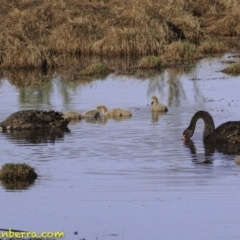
(210, 149)
(228, 132)
(17, 185)
(35, 119)
(206, 159)
(37, 136)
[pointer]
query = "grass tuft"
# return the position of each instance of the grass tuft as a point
(13, 172)
(211, 46)
(233, 69)
(181, 51)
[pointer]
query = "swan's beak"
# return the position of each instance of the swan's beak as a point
(152, 103)
(184, 137)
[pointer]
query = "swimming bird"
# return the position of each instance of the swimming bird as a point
(72, 115)
(228, 132)
(91, 114)
(77, 116)
(157, 106)
(116, 112)
(237, 160)
(34, 119)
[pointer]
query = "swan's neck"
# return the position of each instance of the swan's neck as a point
(209, 126)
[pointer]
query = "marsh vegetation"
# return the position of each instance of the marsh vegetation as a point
(17, 172)
(46, 34)
(233, 69)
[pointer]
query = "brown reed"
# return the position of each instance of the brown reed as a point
(40, 34)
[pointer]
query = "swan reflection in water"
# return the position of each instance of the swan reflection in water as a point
(209, 150)
(36, 136)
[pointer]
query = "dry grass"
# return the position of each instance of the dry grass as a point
(174, 53)
(181, 51)
(41, 34)
(28, 56)
(211, 46)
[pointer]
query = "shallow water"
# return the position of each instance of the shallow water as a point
(129, 179)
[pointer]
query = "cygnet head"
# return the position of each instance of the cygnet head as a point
(102, 109)
(91, 114)
(237, 160)
(154, 100)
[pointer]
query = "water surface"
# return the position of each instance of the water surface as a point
(129, 179)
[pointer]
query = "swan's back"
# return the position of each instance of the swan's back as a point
(34, 119)
(228, 132)
(119, 112)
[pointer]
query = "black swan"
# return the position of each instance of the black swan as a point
(228, 132)
(34, 119)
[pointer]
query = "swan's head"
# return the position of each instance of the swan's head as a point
(154, 100)
(187, 134)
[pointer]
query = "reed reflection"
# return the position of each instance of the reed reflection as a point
(169, 82)
(37, 87)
